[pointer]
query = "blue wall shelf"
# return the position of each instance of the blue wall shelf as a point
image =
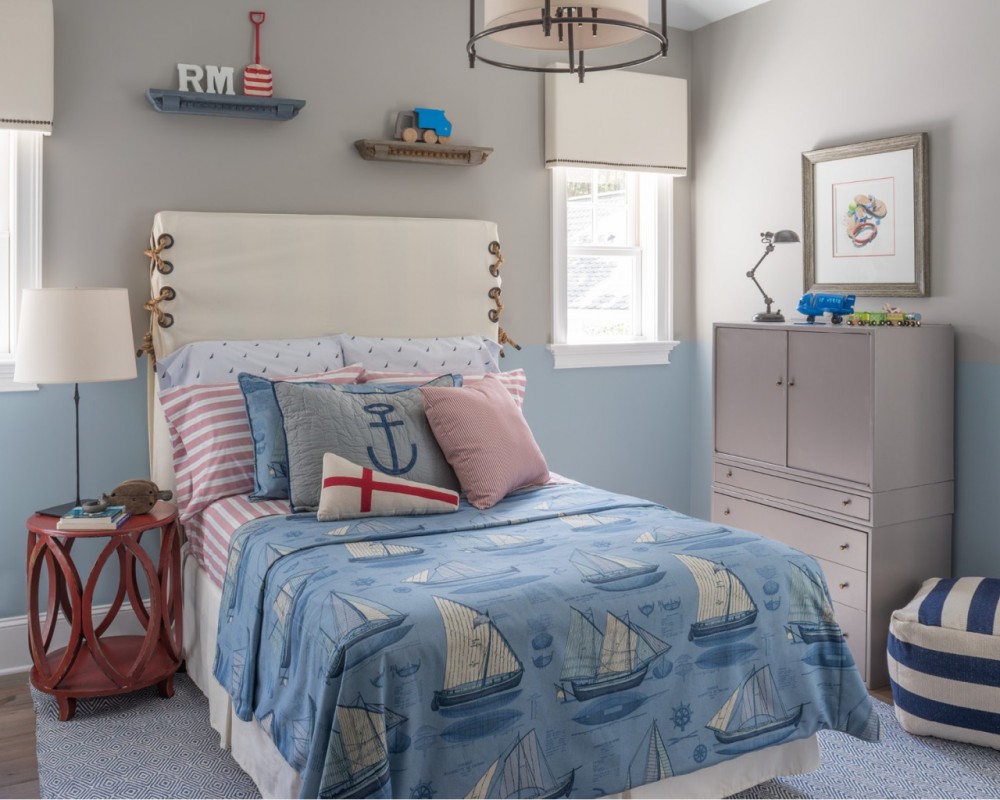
(170, 101)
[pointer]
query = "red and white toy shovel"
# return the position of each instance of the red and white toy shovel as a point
(257, 80)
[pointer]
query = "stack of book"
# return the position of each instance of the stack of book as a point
(79, 520)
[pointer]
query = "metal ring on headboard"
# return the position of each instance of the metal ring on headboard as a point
(164, 319)
(164, 242)
(494, 295)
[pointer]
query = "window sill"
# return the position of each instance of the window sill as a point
(7, 380)
(623, 354)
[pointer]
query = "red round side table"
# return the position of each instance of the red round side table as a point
(92, 664)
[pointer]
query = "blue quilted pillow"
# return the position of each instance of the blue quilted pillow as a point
(386, 431)
(267, 427)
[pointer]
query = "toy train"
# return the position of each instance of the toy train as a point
(429, 125)
(898, 318)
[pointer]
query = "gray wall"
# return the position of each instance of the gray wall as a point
(795, 75)
(112, 163)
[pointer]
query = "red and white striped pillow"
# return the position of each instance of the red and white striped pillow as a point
(210, 435)
(514, 381)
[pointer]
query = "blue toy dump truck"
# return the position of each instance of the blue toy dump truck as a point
(429, 125)
(816, 304)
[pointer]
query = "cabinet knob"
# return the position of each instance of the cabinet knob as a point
(780, 381)
(727, 512)
(846, 635)
(844, 585)
(844, 546)
(729, 473)
(791, 381)
(846, 502)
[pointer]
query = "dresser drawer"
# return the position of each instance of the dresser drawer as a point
(823, 540)
(854, 624)
(839, 502)
(849, 587)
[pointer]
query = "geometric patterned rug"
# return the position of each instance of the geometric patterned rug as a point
(901, 765)
(141, 745)
(135, 745)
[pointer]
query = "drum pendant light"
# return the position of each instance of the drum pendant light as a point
(572, 29)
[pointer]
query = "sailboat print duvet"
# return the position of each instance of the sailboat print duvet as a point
(567, 642)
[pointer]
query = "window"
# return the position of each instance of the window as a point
(20, 236)
(611, 276)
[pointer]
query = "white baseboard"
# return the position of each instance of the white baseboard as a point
(15, 656)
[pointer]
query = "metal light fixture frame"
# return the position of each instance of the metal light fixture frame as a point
(571, 17)
(770, 239)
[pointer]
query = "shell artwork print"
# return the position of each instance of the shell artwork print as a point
(865, 217)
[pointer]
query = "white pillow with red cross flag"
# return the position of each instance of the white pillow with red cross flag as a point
(350, 491)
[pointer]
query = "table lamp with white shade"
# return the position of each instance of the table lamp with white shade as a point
(74, 336)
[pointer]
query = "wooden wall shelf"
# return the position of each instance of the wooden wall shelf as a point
(395, 150)
(170, 101)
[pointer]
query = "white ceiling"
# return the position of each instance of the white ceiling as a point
(689, 15)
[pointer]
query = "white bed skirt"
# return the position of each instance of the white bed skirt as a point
(254, 751)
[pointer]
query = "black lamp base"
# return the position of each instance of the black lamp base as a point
(767, 316)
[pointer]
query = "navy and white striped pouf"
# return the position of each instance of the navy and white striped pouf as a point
(944, 661)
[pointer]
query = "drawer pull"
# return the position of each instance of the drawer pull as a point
(846, 502)
(845, 546)
(791, 381)
(727, 512)
(844, 585)
(729, 473)
(847, 635)
(780, 381)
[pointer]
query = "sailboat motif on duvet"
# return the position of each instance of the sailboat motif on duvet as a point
(600, 663)
(480, 661)
(724, 603)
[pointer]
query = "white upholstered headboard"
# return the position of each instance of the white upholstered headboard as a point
(282, 276)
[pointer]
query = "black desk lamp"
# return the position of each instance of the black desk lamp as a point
(770, 239)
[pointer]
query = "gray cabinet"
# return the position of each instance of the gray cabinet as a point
(839, 441)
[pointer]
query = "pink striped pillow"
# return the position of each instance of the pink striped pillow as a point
(485, 438)
(210, 435)
(514, 380)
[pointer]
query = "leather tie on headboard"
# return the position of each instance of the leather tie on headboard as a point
(494, 293)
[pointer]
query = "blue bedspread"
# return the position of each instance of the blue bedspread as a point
(567, 641)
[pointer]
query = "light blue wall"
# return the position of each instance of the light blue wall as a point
(624, 428)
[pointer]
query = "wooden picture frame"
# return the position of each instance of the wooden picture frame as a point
(865, 210)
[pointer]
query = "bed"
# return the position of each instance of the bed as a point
(564, 641)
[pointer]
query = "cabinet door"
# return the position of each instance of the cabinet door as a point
(750, 393)
(829, 404)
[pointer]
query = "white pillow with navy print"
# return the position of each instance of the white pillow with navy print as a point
(223, 361)
(462, 354)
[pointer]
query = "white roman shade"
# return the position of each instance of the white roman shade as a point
(26, 63)
(618, 119)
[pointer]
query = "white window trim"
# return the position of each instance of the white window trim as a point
(655, 350)
(26, 254)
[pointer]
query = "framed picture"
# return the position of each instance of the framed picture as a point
(865, 215)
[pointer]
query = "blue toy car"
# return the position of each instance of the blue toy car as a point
(816, 304)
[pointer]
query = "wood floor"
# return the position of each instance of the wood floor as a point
(18, 763)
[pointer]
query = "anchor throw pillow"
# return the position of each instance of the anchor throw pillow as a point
(385, 432)
(351, 491)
